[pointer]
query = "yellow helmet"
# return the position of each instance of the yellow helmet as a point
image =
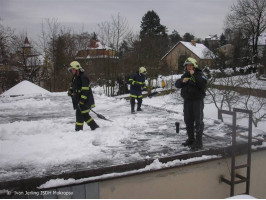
(191, 61)
(142, 70)
(75, 65)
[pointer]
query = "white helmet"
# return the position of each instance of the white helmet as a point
(142, 70)
(75, 65)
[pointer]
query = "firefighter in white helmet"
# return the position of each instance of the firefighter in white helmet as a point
(137, 84)
(82, 97)
(193, 86)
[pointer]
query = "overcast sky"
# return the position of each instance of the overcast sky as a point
(199, 17)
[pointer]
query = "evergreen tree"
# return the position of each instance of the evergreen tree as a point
(188, 37)
(222, 40)
(175, 37)
(151, 26)
(153, 44)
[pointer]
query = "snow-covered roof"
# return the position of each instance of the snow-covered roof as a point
(95, 50)
(100, 56)
(212, 37)
(200, 50)
(96, 44)
(25, 88)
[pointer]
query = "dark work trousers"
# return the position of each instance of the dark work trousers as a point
(132, 102)
(81, 118)
(193, 117)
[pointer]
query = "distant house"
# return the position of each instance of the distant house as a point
(97, 59)
(227, 50)
(96, 50)
(192, 49)
(212, 41)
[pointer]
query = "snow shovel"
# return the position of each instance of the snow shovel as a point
(101, 116)
(97, 114)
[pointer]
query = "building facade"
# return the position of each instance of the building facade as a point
(183, 49)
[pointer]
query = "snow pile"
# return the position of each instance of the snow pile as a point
(25, 88)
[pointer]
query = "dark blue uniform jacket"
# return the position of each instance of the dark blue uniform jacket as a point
(137, 83)
(81, 91)
(195, 88)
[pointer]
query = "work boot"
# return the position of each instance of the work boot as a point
(139, 109)
(188, 142)
(78, 129)
(198, 143)
(93, 125)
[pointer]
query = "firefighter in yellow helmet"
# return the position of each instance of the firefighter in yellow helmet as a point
(82, 97)
(137, 84)
(193, 86)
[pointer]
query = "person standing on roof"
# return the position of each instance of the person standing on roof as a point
(137, 84)
(193, 86)
(82, 97)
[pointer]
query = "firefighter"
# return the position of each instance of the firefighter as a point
(137, 84)
(82, 97)
(193, 86)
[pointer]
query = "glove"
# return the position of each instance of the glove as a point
(144, 89)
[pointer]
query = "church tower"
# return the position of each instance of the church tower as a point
(26, 48)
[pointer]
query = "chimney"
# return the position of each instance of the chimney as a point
(193, 42)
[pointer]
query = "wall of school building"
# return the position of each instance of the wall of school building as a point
(201, 180)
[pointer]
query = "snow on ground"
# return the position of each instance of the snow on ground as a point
(248, 81)
(37, 134)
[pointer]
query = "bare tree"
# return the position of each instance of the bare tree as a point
(223, 98)
(226, 97)
(249, 16)
(6, 38)
(49, 34)
(113, 33)
(250, 102)
(82, 40)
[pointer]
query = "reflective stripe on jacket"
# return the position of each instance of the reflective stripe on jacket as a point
(82, 93)
(137, 83)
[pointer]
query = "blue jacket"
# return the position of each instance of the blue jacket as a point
(195, 88)
(137, 83)
(81, 91)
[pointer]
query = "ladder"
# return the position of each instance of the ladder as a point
(237, 178)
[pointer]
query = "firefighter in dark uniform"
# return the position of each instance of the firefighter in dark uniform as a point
(137, 84)
(193, 84)
(82, 97)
